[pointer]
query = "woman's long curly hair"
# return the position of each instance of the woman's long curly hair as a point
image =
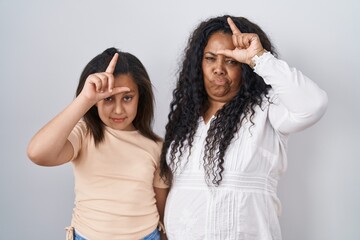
(190, 102)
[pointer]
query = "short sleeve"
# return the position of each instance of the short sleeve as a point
(76, 137)
(158, 181)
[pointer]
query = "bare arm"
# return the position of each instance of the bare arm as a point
(49, 146)
(160, 196)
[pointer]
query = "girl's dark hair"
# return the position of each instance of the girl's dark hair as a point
(127, 64)
(190, 102)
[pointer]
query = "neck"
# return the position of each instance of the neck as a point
(214, 106)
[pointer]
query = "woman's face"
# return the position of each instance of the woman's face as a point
(222, 75)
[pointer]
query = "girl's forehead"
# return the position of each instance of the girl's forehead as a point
(125, 80)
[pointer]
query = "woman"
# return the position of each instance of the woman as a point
(233, 110)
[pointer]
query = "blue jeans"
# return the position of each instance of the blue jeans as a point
(155, 235)
(77, 236)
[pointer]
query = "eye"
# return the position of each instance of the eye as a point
(231, 62)
(210, 58)
(108, 99)
(127, 98)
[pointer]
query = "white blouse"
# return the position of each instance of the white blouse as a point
(245, 205)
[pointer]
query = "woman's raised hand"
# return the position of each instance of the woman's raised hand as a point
(247, 45)
(99, 86)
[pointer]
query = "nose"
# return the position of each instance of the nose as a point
(219, 68)
(118, 107)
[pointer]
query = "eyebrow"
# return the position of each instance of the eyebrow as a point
(213, 54)
(131, 91)
(124, 93)
(210, 53)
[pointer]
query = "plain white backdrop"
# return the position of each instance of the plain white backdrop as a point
(44, 46)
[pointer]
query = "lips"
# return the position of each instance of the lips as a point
(220, 81)
(118, 120)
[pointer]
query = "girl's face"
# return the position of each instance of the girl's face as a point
(119, 111)
(222, 75)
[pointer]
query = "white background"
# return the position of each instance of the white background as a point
(44, 46)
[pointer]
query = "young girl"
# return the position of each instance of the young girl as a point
(106, 134)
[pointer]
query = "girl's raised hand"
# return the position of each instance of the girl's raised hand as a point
(99, 86)
(247, 45)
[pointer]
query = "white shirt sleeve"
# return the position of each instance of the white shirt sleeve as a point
(296, 101)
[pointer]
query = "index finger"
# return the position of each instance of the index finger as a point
(233, 27)
(111, 67)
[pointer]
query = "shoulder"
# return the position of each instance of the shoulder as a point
(156, 146)
(80, 130)
(152, 146)
(81, 127)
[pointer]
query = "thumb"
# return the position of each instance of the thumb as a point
(226, 52)
(117, 90)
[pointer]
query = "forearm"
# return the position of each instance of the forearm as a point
(160, 196)
(49, 146)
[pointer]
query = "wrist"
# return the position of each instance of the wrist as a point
(85, 101)
(256, 57)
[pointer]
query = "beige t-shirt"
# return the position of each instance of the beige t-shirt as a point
(114, 195)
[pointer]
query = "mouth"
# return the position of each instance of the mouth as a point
(118, 120)
(220, 81)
